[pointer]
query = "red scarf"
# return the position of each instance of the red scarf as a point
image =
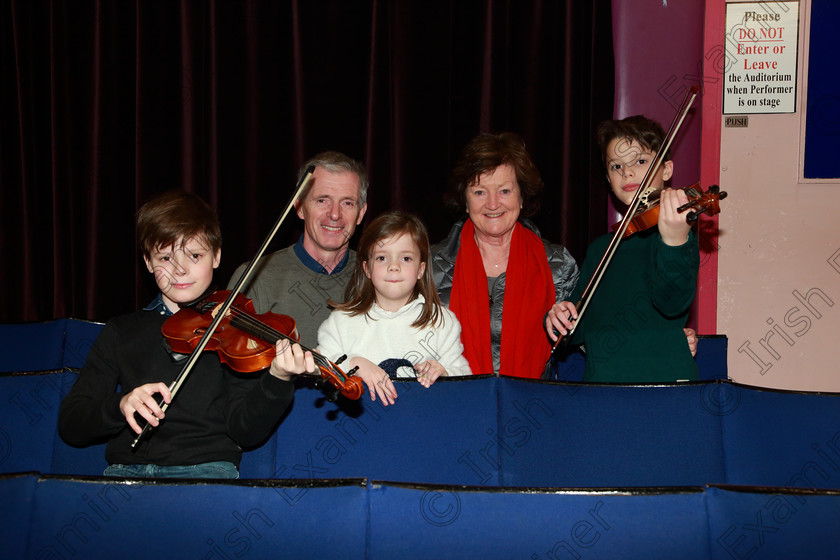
(529, 293)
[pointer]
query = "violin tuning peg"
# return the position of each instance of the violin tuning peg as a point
(692, 216)
(332, 396)
(352, 371)
(341, 359)
(714, 189)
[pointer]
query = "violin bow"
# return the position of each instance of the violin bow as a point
(598, 273)
(225, 306)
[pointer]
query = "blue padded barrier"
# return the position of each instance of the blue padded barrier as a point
(18, 493)
(70, 460)
(439, 522)
(538, 524)
(49, 346)
(425, 436)
(781, 438)
(712, 351)
(28, 418)
(32, 346)
(109, 518)
(62, 517)
(499, 431)
(772, 523)
(590, 435)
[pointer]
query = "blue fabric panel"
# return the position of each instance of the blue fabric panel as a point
(32, 346)
(74, 460)
(79, 338)
(445, 522)
(110, 519)
(604, 436)
(28, 418)
(772, 524)
(16, 513)
(711, 357)
(259, 462)
(428, 435)
(775, 438)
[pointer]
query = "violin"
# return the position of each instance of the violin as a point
(245, 340)
(699, 202)
(643, 193)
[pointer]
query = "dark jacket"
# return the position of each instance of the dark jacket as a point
(564, 273)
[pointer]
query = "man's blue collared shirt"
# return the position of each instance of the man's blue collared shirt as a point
(159, 306)
(314, 265)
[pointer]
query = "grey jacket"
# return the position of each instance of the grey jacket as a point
(564, 272)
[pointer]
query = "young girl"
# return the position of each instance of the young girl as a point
(392, 323)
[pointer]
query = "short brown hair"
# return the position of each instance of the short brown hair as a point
(648, 133)
(486, 152)
(176, 215)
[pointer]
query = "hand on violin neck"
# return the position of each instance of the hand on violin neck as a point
(290, 360)
(673, 226)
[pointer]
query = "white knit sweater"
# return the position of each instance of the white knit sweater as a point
(380, 335)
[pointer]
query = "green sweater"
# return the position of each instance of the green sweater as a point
(632, 329)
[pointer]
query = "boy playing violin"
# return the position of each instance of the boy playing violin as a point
(129, 368)
(633, 326)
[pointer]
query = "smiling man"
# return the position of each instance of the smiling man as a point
(298, 280)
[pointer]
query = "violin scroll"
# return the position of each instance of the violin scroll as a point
(699, 202)
(708, 202)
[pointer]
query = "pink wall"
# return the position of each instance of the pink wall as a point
(779, 260)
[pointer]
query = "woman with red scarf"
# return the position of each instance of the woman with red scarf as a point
(493, 270)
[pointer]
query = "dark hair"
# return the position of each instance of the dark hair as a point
(648, 133)
(176, 215)
(336, 162)
(359, 296)
(483, 154)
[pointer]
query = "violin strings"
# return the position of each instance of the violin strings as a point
(266, 333)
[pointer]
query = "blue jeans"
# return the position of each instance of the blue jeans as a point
(216, 469)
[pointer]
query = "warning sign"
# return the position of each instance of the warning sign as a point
(761, 53)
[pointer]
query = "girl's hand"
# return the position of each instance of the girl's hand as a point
(290, 359)
(378, 382)
(142, 401)
(428, 372)
(560, 318)
(673, 226)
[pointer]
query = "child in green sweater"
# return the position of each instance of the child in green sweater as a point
(632, 330)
